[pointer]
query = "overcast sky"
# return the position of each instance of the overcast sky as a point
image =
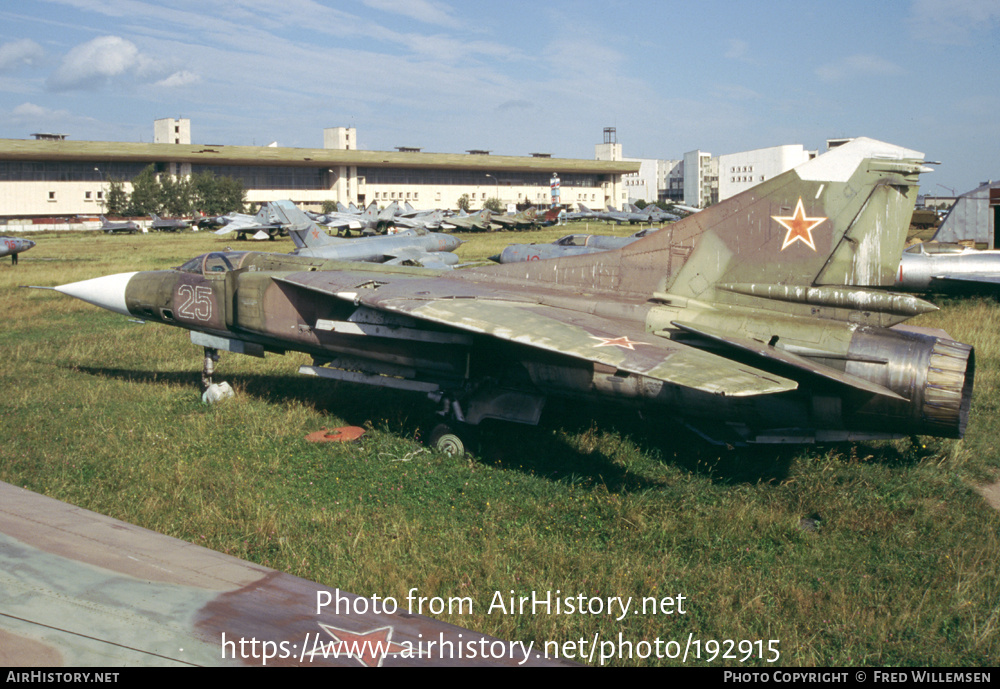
(516, 77)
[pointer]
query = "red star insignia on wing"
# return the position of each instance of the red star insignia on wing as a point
(623, 342)
(368, 648)
(798, 226)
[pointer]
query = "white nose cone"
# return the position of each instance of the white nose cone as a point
(107, 292)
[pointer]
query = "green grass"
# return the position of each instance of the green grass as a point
(900, 569)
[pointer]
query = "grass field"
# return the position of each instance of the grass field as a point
(867, 554)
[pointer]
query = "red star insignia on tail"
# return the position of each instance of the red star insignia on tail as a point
(798, 226)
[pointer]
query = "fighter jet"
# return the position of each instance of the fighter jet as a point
(745, 322)
(948, 268)
(167, 224)
(570, 245)
(476, 222)
(425, 220)
(653, 214)
(410, 247)
(267, 224)
(520, 221)
(583, 214)
(12, 246)
(127, 227)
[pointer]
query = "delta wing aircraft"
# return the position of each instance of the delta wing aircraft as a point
(742, 321)
(12, 246)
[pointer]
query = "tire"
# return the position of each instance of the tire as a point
(444, 439)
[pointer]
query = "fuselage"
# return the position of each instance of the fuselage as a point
(946, 268)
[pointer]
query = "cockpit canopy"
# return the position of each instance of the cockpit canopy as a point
(215, 262)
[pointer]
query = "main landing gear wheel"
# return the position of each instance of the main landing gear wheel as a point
(449, 440)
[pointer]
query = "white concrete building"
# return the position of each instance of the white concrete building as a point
(740, 171)
(45, 178)
(654, 179)
(701, 179)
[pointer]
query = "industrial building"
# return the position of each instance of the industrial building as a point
(974, 217)
(55, 177)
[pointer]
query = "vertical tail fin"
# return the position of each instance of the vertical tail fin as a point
(839, 219)
(301, 228)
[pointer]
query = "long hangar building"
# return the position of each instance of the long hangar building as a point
(50, 176)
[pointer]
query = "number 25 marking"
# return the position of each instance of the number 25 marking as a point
(197, 304)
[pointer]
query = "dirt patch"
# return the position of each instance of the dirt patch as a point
(991, 493)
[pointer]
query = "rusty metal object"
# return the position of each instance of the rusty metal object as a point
(344, 434)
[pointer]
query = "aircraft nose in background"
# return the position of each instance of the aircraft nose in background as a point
(108, 292)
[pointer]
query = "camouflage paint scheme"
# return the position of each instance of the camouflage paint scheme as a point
(759, 319)
(81, 589)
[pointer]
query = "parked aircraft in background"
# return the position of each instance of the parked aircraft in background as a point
(411, 247)
(12, 246)
(167, 224)
(521, 221)
(477, 222)
(950, 268)
(126, 227)
(570, 245)
(429, 220)
(653, 214)
(583, 214)
(264, 225)
(759, 320)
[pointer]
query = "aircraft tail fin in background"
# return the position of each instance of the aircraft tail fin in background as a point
(837, 220)
(301, 228)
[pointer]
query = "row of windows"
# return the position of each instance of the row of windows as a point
(87, 196)
(745, 178)
(397, 196)
(54, 171)
(385, 176)
(279, 177)
(270, 176)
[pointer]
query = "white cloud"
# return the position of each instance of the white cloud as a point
(857, 66)
(182, 78)
(97, 62)
(29, 114)
(953, 21)
(425, 11)
(19, 53)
